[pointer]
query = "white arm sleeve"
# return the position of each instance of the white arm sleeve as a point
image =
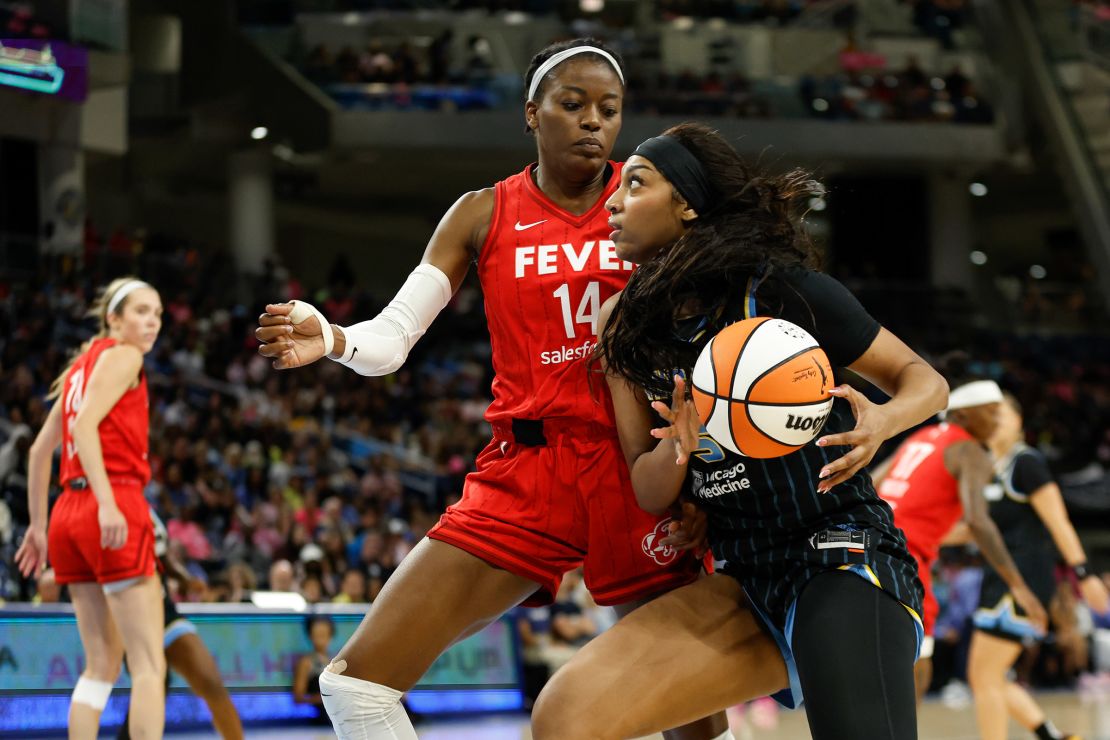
(381, 345)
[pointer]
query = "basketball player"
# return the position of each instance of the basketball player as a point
(185, 651)
(551, 491)
(101, 540)
(808, 544)
(1027, 506)
(935, 478)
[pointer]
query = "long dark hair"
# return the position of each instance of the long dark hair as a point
(752, 227)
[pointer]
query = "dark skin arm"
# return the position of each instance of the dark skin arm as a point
(916, 392)
(454, 245)
(971, 466)
(300, 682)
(175, 571)
(657, 466)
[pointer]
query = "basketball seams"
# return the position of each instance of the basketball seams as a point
(742, 402)
(724, 374)
(769, 435)
(731, 385)
(732, 380)
(779, 364)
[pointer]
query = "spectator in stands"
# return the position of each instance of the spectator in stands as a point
(282, 576)
(306, 674)
(353, 589)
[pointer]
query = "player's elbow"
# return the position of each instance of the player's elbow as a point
(940, 391)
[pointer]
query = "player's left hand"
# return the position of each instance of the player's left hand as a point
(688, 529)
(865, 439)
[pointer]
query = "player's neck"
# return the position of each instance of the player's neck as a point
(575, 190)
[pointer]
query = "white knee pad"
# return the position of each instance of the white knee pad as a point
(361, 710)
(91, 693)
(927, 646)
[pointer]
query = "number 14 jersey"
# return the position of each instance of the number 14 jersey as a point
(545, 273)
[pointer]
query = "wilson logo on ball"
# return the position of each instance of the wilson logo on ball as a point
(806, 423)
(761, 387)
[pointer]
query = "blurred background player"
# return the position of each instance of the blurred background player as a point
(936, 478)
(186, 653)
(551, 491)
(1026, 504)
(101, 539)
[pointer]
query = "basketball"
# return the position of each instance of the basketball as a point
(761, 387)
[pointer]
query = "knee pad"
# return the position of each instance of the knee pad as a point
(91, 693)
(363, 710)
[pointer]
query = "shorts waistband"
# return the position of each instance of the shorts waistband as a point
(82, 484)
(542, 432)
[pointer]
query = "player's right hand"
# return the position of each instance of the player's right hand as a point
(30, 558)
(685, 426)
(290, 345)
(113, 527)
(1094, 592)
(1034, 611)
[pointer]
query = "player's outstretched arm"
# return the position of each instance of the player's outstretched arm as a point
(30, 558)
(1048, 502)
(297, 334)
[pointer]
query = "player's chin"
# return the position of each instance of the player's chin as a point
(626, 248)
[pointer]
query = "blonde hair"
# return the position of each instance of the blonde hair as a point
(99, 310)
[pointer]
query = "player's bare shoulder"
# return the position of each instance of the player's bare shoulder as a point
(606, 311)
(472, 214)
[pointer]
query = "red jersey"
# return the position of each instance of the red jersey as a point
(545, 273)
(124, 432)
(925, 497)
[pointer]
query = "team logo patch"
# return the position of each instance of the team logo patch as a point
(661, 554)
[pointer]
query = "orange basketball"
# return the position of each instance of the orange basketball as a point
(761, 387)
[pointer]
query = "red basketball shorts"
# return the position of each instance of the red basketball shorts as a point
(541, 511)
(74, 538)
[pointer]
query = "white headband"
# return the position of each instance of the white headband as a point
(564, 55)
(977, 393)
(123, 291)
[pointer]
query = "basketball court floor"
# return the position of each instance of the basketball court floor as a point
(1090, 718)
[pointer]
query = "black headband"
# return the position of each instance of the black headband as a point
(677, 164)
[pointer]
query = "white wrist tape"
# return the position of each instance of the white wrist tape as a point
(382, 344)
(302, 311)
(91, 693)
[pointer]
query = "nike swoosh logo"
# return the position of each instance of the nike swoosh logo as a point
(521, 227)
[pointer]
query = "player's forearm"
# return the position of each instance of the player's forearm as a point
(919, 393)
(38, 483)
(87, 440)
(990, 543)
(656, 478)
(1049, 505)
